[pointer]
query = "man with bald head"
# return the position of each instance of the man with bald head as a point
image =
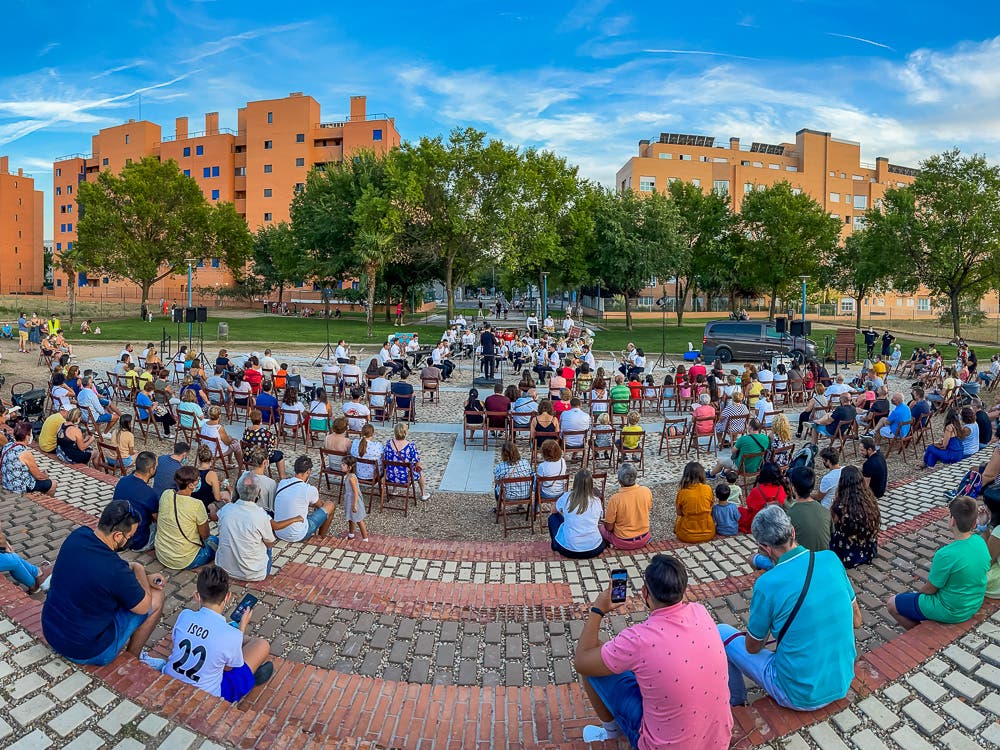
(897, 419)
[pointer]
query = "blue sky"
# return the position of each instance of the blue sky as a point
(586, 79)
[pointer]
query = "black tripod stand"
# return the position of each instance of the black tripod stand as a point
(326, 353)
(201, 346)
(662, 360)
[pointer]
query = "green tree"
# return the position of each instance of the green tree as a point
(859, 268)
(454, 199)
(631, 241)
(276, 258)
(785, 235)
(946, 225)
(143, 223)
(703, 221)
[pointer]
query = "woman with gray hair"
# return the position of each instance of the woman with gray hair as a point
(245, 535)
(626, 516)
(807, 605)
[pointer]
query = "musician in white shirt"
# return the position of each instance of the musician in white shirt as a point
(343, 352)
(440, 359)
(588, 357)
(567, 324)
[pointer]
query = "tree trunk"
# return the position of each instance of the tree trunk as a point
(956, 323)
(371, 298)
(680, 296)
(857, 313)
(628, 314)
(72, 297)
(146, 286)
(281, 292)
(449, 290)
(774, 298)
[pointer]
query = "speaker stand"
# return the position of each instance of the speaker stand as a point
(326, 353)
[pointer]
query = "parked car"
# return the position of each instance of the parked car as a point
(752, 340)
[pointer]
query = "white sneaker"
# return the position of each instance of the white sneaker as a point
(595, 733)
(426, 496)
(151, 661)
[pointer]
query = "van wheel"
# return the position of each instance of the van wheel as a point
(724, 354)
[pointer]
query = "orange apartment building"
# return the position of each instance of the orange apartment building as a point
(259, 167)
(22, 225)
(828, 169)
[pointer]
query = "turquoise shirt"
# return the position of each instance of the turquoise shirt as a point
(814, 664)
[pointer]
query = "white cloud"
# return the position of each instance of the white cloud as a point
(219, 46)
(861, 39)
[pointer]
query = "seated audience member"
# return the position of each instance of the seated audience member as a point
(812, 663)
(574, 419)
(659, 683)
(257, 435)
(166, 468)
(256, 471)
(182, 539)
(626, 516)
(402, 450)
(72, 445)
(552, 465)
(817, 402)
(827, 491)
(856, 519)
(402, 395)
(209, 654)
(810, 519)
(18, 470)
(47, 438)
(970, 443)
(948, 449)
(957, 581)
(694, 506)
(875, 471)
(574, 527)
(898, 418)
(768, 490)
(144, 501)
(836, 421)
(631, 433)
(748, 452)
(97, 603)
(22, 571)
(725, 514)
(499, 404)
(511, 466)
(296, 499)
(245, 534)
(267, 403)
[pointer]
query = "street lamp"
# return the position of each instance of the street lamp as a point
(545, 295)
(190, 264)
(804, 278)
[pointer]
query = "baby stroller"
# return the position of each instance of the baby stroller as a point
(30, 400)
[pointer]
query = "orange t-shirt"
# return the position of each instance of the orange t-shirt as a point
(279, 378)
(628, 509)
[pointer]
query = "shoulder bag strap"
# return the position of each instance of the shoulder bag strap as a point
(798, 604)
(177, 520)
(285, 487)
(754, 438)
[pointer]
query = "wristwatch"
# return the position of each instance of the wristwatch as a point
(597, 611)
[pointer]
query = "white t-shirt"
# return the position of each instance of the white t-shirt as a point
(331, 374)
(579, 532)
(765, 377)
(353, 410)
(295, 417)
(293, 498)
(836, 389)
(204, 645)
(764, 406)
(828, 486)
(243, 529)
(379, 385)
(267, 488)
(269, 363)
(552, 469)
(62, 396)
(526, 406)
(573, 420)
(342, 353)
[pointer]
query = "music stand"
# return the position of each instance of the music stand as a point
(326, 353)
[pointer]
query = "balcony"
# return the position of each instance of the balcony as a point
(328, 153)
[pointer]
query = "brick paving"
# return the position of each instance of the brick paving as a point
(423, 642)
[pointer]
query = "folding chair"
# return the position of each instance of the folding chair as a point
(312, 433)
(516, 428)
(225, 460)
(630, 454)
(514, 495)
(363, 418)
(498, 426)
(218, 397)
(397, 495)
(698, 438)
(900, 442)
(429, 389)
(594, 451)
(650, 403)
(296, 426)
(371, 488)
(675, 430)
(541, 501)
(331, 472)
(145, 424)
(241, 412)
(270, 416)
(570, 451)
(108, 451)
(469, 429)
(380, 412)
(405, 412)
(743, 476)
(599, 406)
(787, 450)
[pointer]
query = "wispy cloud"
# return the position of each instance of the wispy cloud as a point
(119, 69)
(583, 14)
(47, 49)
(709, 53)
(219, 46)
(861, 39)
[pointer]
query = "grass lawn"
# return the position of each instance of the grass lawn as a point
(272, 330)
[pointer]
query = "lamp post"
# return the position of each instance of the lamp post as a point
(804, 279)
(545, 295)
(190, 264)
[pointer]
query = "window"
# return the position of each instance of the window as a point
(300, 162)
(702, 158)
(267, 192)
(267, 216)
(58, 282)
(62, 209)
(58, 246)
(299, 187)
(672, 180)
(847, 219)
(59, 172)
(206, 172)
(833, 174)
(899, 301)
(127, 162)
(834, 216)
(758, 164)
(104, 161)
(215, 171)
(199, 150)
(268, 145)
(241, 171)
(69, 245)
(58, 191)
(796, 191)
(300, 137)
(62, 227)
(880, 302)
(859, 222)
(834, 197)
(696, 182)
(744, 164)
(215, 195)
(720, 186)
(791, 169)
(774, 166)
(377, 134)
(647, 184)
(270, 118)
(747, 187)
(69, 190)
(843, 176)
(685, 157)
(909, 302)
(857, 178)
(187, 172)
(861, 202)
(215, 262)
(201, 262)
(846, 305)
(761, 188)
(924, 304)
(847, 198)
(126, 139)
(666, 156)
(69, 227)
(187, 151)
(267, 169)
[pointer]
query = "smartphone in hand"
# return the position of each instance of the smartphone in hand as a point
(248, 602)
(619, 585)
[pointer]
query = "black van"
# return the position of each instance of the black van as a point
(753, 341)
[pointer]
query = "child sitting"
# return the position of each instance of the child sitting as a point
(735, 491)
(649, 391)
(602, 432)
(635, 388)
(668, 387)
(281, 376)
(725, 514)
(565, 395)
(210, 654)
(631, 433)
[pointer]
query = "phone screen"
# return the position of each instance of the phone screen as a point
(619, 585)
(246, 603)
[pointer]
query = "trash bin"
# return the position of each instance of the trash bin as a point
(223, 331)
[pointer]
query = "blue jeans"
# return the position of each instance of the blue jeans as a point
(126, 623)
(206, 554)
(758, 667)
(314, 520)
(621, 696)
(22, 571)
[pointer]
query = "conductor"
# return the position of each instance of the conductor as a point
(488, 343)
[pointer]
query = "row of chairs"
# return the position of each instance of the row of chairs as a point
(512, 500)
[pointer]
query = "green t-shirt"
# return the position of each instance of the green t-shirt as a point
(620, 396)
(812, 523)
(753, 443)
(959, 571)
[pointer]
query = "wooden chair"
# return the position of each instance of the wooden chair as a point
(314, 434)
(515, 428)
(225, 460)
(218, 397)
(381, 413)
(620, 419)
(541, 501)
(145, 424)
(736, 425)
(697, 439)
(900, 442)
(270, 416)
(351, 381)
(398, 495)
(404, 412)
(594, 451)
(650, 403)
(745, 476)
(498, 427)
(632, 454)
(510, 502)
(241, 412)
(190, 434)
(675, 431)
(371, 488)
(787, 450)
(331, 472)
(429, 389)
(571, 451)
(109, 452)
(469, 429)
(599, 406)
(351, 421)
(297, 427)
